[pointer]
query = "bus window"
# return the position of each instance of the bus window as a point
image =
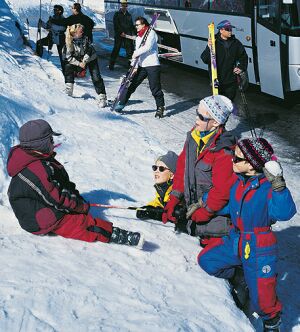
(290, 18)
(268, 12)
(197, 4)
(231, 6)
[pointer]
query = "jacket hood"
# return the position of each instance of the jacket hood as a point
(225, 140)
(18, 159)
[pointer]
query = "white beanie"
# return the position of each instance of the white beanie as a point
(218, 106)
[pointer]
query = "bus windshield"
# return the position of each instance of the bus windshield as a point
(290, 18)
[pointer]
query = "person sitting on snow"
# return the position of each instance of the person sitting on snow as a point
(56, 34)
(258, 198)
(202, 180)
(163, 171)
(44, 199)
(79, 53)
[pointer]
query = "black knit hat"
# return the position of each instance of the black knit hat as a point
(257, 151)
(36, 135)
(170, 159)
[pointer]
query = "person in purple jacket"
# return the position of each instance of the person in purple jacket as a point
(257, 198)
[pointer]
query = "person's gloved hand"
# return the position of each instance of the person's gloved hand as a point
(193, 207)
(273, 173)
(149, 212)
(169, 209)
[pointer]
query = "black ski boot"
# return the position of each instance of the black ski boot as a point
(239, 291)
(121, 236)
(272, 325)
(160, 112)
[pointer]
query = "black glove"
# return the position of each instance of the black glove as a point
(149, 212)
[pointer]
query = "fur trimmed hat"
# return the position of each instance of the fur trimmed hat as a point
(218, 106)
(170, 159)
(257, 151)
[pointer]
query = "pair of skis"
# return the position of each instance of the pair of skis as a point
(214, 73)
(127, 79)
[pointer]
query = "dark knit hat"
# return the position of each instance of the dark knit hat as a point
(36, 135)
(257, 151)
(170, 159)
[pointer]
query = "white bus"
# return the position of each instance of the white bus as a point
(269, 30)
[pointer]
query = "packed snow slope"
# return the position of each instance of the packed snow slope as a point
(54, 284)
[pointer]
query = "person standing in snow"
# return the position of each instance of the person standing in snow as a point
(44, 199)
(231, 59)
(148, 66)
(163, 171)
(79, 53)
(123, 25)
(203, 175)
(56, 34)
(258, 198)
(77, 17)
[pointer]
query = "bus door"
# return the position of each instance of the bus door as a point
(268, 47)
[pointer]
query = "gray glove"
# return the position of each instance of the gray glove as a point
(273, 173)
(193, 207)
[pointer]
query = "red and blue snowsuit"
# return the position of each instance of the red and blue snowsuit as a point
(253, 207)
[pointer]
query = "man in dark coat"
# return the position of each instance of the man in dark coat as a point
(44, 199)
(231, 59)
(78, 17)
(123, 26)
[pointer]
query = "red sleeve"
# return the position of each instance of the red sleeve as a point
(178, 181)
(222, 180)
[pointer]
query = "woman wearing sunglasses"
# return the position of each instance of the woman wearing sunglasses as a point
(204, 168)
(163, 173)
(231, 59)
(258, 198)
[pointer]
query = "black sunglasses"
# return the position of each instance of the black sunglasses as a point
(236, 159)
(228, 29)
(160, 168)
(201, 117)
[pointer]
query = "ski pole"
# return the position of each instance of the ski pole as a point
(104, 206)
(244, 100)
(28, 31)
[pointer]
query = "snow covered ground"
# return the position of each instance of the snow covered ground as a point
(55, 284)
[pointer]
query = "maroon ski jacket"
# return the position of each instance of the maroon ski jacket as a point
(40, 191)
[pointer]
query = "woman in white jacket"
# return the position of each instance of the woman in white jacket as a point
(147, 66)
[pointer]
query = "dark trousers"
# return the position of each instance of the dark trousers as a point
(153, 74)
(228, 90)
(93, 67)
(127, 44)
(48, 42)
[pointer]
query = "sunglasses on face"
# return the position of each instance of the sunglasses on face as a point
(160, 168)
(228, 29)
(236, 159)
(201, 117)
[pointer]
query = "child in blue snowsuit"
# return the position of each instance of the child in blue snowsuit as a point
(258, 199)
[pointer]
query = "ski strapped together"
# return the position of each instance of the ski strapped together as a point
(127, 79)
(214, 73)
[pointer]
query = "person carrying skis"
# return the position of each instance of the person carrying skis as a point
(44, 199)
(148, 66)
(77, 17)
(79, 53)
(258, 198)
(56, 34)
(231, 59)
(203, 175)
(163, 171)
(123, 25)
